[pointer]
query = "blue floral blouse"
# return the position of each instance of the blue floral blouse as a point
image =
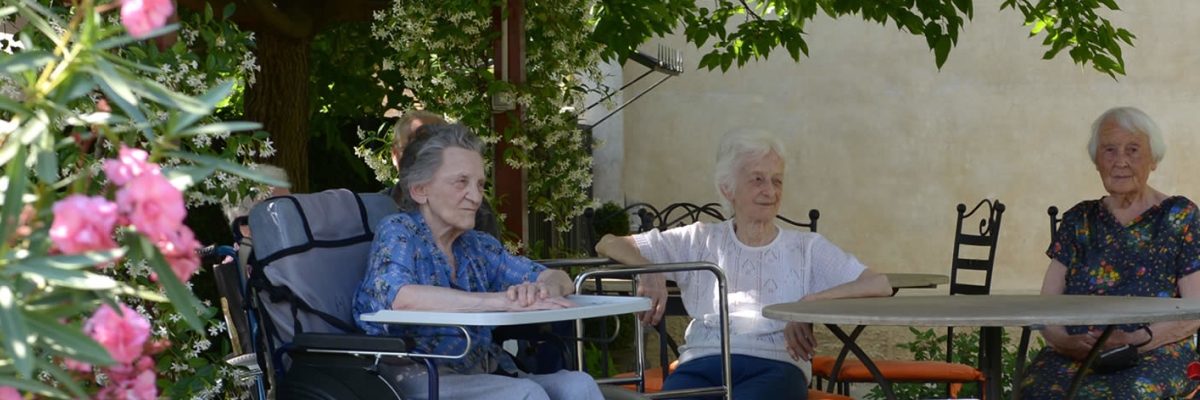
(404, 253)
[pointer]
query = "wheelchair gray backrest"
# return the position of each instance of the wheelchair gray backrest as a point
(316, 246)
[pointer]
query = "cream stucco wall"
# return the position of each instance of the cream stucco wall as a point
(608, 157)
(886, 146)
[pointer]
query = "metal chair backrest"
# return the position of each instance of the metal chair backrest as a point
(692, 213)
(675, 215)
(988, 231)
(682, 214)
(813, 215)
(1055, 220)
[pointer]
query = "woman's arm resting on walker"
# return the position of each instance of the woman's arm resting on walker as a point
(557, 282)
(624, 250)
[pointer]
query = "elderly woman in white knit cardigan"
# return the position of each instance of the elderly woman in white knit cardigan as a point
(765, 264)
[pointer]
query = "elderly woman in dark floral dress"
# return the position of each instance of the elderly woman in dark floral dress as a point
(1136, 241)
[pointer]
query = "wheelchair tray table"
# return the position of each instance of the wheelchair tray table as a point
(590, 306)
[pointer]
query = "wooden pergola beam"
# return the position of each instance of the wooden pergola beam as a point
(509, 48)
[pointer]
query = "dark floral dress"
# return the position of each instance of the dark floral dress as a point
(1146, 257)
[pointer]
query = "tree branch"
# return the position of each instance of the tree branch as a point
(750, 10)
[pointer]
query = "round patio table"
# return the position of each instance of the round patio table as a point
(897, 280)
(990, 313)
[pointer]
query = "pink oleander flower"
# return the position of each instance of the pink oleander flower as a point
(123, 335)
(7, 393)
(130, 163)
(140, 387)
(122, 372)
(180, 251)
(83, 224)
(142, 16)
(152, 205)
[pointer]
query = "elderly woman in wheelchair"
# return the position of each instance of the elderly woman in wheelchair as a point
(428, 258)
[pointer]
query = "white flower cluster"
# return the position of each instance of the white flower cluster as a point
(514, 247)
(249, 67)
(139, 269)
(186, 72)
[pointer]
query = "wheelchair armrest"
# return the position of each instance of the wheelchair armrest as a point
(358, 342)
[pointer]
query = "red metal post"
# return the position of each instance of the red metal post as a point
(509, 49)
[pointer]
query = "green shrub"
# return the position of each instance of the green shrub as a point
(592, 357)
(611, 218)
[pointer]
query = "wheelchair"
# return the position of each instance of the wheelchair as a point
(309, 255)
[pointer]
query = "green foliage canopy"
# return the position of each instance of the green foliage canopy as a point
(741, 31)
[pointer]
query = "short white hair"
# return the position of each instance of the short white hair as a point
(1132, 120)
(735, 149)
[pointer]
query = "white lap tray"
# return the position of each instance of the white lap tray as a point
(589, 307)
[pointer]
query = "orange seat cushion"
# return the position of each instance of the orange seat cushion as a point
(654, 383)
(900, 371)
(895, 370)
(823, 366)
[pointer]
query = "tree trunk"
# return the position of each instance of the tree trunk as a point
(279, 100)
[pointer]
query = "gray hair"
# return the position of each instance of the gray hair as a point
(241, 206)
(423, 156)
(735, 149)
(1132, 120)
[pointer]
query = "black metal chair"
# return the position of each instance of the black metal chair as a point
(840, 371)
(1054, 221)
